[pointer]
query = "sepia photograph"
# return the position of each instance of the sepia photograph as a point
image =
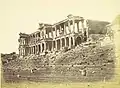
(60, 43)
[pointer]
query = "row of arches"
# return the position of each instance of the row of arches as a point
(56, 45)
(68, 42)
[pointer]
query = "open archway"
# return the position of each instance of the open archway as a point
(78, 40)
(63, 42)
(39, 48)
(67, 41)
(58, 44)
(42, 47)
(71, 41)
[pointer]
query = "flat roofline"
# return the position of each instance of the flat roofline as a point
(62, 21)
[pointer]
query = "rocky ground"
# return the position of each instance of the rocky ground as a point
(85, 63)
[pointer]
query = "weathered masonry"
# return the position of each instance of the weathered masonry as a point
(67, 33)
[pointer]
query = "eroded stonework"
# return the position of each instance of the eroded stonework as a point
(49, 38)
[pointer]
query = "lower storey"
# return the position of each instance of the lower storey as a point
(57, 44)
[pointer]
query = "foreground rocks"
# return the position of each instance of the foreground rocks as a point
(84, 63)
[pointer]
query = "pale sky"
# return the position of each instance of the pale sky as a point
(24, 15)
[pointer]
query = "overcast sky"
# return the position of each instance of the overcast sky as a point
(24, 15)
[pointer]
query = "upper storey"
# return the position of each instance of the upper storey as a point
(70, 25)
(48, 32)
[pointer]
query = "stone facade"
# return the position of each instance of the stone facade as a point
(49, 38)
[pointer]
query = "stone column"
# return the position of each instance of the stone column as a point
(87, 33)
(69, 27)
(35, 37)
(60, 30)
(52, 46)
(29, 50)
(48, 33)
(55, 31)
(44, 46)
(77, 26)
(61, 43)
(44, 32)
(40, 34)
(41, 46)
(73, 40)
(36, 49)
(82, 23)
(65, 42)
(73, 21)
(32, 49)
(24, 51)
(52, 32)
(69, 42)
(65, 29)
(56, 44)
(19, 52)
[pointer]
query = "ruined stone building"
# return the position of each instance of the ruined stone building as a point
(49, 38)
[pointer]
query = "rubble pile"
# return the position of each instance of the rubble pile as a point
(86, 62)
(97, 62)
